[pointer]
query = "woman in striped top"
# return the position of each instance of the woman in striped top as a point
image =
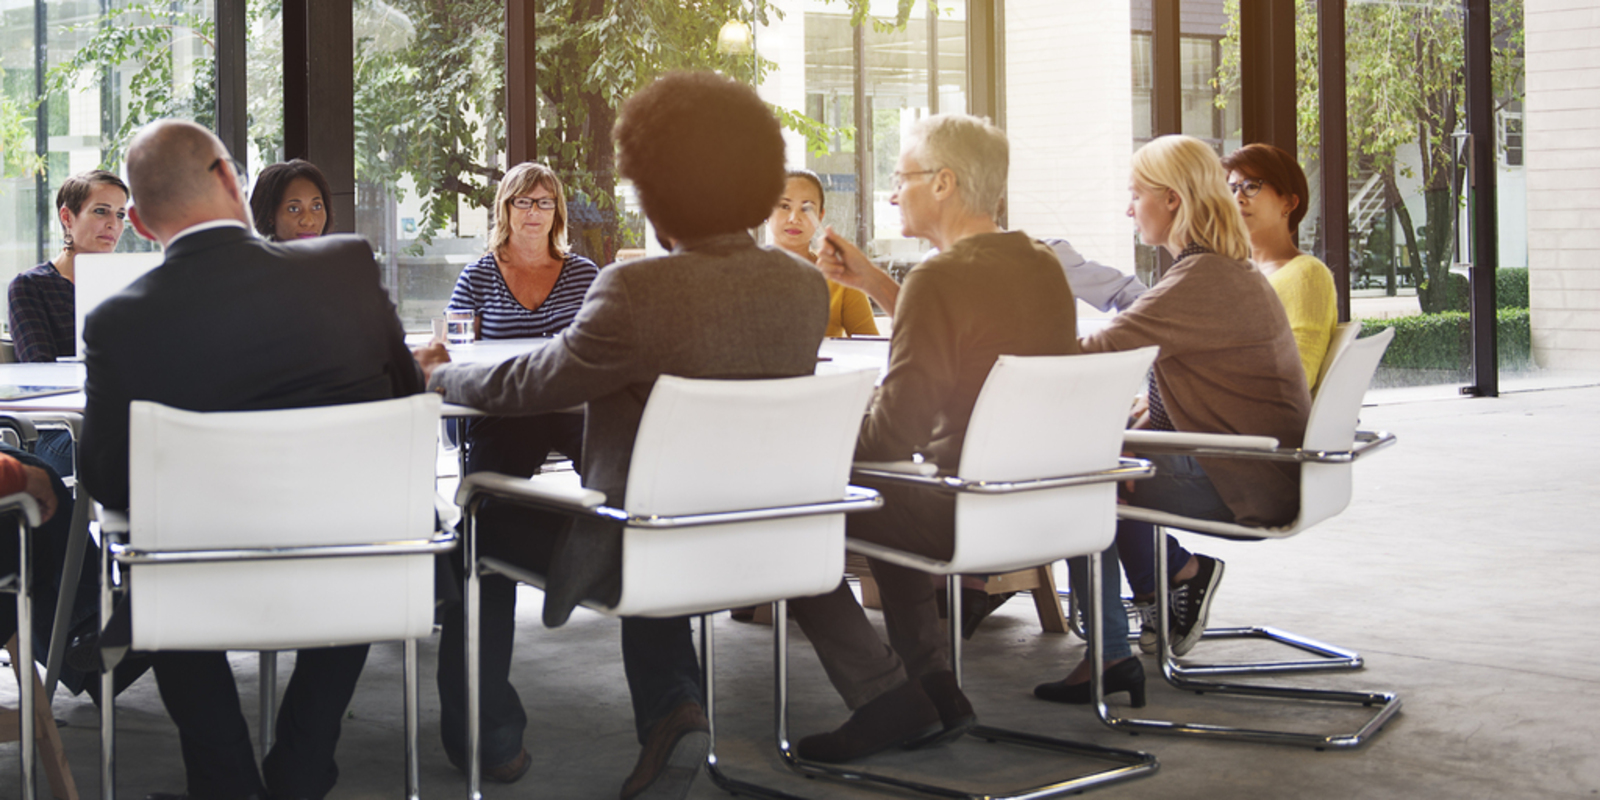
(527, 284)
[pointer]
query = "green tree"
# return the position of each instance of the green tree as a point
(1405, 95)
(429, 85)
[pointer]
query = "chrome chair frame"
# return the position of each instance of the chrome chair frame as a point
(115, 553)
(1130, 764)
(481, 486)
(27, 511)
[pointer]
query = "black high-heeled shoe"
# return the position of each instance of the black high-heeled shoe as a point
(1124, 676)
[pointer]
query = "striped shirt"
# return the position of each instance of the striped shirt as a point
(483, 289)
(43, 324)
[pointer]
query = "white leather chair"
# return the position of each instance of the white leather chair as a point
(229, 511)
(736, 496)
(1036, 483)
(1331, 445)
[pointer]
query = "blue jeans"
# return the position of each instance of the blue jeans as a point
(1180, 486)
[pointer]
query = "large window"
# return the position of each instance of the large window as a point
(910, 71)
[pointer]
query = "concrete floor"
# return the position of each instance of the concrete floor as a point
(1459, 571)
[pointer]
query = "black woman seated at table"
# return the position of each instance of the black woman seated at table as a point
(93, 208)
(528, 284)
(793, 226)
(290, 201)
(1228, 364)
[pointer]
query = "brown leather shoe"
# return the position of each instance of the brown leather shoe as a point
(672, 756)
(509, 772)
(895, 718)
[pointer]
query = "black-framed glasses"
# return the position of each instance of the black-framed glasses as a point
(899, 178)
(542, 203)
(1248, 188)
(238, 168)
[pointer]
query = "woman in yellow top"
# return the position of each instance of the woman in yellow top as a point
(794, 221)
(1271, 191)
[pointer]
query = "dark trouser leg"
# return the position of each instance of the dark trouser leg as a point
(301, 764)
(501, 716)
(514, 446)
(663, 668)
(202, 699)
(856, 660)
(859, 665)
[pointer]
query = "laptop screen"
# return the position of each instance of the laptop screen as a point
(101, 275)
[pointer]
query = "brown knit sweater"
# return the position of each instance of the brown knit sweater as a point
(1228, 364)
(989, 295)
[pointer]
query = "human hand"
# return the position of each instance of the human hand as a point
(430, 357)
(844, 263)
(42, 489)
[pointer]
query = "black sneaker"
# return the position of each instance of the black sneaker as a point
(1191, 604)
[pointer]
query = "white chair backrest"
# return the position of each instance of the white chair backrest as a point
(723, 445)
(1041, 417)
(98, 276)
(348, 474)
(1335, 411)
(716, 445)
(1343, 334)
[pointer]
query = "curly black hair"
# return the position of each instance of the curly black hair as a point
(704, 152)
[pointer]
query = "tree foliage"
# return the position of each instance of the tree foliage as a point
(1405, 101)
(429, 85)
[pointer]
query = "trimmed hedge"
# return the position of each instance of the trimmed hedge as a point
(1443, 341)
(1510, 289)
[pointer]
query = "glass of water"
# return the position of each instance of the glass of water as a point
(458, 325)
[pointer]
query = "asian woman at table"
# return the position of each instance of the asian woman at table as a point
(794, 221)
(92, 208)
(1272, 194)
(1228, 364)
(528, 284)
(290, 201)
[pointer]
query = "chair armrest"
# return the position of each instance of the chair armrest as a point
(1180, 442)
(24, 502)
(24, 427)
(440, 542)
(1127, 469)
(558, 494)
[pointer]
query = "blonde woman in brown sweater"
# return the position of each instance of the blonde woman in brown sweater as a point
(1228, 364)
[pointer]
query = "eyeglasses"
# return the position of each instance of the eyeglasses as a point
(899, 178)
(238, 167)
(525, 203)
(1247, 188)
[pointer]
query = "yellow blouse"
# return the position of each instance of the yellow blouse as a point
(849, 312)
(1305, 287)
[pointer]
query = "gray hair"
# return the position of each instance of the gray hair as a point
(972, 148)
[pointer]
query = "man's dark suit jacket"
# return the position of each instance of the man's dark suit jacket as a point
(232, 322)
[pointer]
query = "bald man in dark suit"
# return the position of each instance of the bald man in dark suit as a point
(229, 322)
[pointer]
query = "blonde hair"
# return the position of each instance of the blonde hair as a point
(972, 148)
(1207, 214)
(518, 181)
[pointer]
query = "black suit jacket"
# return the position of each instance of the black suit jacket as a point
(231, 322)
